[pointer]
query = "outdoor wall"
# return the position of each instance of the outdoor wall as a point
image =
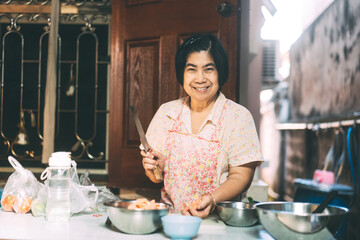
(324, 84)
(325, 64)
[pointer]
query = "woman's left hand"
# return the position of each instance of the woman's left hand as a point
(203, 209)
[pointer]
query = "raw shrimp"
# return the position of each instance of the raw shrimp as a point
(143, 203)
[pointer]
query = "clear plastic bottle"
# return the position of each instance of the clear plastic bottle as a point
(58, 187)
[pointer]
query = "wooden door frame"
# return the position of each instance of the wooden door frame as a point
(116, 106)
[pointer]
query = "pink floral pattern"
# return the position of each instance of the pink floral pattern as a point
(229, 132)
(190, 167)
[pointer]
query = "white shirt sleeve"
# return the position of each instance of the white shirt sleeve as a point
(156, 132)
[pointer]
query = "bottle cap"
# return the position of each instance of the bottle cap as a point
(60, 159)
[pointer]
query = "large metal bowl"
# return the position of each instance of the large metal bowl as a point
(238, 214)
(295, 220)
(135, 221)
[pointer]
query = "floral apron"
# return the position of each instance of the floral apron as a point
(190, 166)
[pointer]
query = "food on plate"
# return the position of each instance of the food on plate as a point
(22, 205)
(143, 203)
(193, 204)
(8, 202)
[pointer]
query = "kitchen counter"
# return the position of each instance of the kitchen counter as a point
(92, 226)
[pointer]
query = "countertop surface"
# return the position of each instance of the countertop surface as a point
(92, 226)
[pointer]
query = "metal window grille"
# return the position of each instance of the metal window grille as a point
(82, 85)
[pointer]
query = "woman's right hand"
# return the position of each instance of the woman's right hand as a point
(153, 160)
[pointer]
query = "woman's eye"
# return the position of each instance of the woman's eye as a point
(191, 69)
(209, 69)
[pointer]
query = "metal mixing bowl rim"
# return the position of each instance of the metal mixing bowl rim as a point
(220, 204)
(258, 206)
(109, 204)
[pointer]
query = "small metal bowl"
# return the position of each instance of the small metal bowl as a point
(295, 220)
(135, 221)
(237, 214)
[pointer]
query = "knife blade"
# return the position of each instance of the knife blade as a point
(140, 129)
(144, 141)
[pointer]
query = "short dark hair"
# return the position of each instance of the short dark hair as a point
(203, 42)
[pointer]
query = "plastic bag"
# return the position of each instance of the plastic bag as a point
(104, 193)
(38, 205)
(84, 179)
(82, 198)
(20, 189)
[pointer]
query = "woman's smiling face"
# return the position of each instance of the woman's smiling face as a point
(201, 78)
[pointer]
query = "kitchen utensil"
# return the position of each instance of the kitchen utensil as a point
(327, 175)
(135, 221)
(181, 226)
(295, 220)
(342, 159)
(329, 159)
(338, 146)
(341, 162)
(238, 214)
(325, 202)
(140, 129)
(144, 141)
(352, 144)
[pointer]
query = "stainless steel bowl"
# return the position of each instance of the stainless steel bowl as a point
(135, 221)
(295, 220)
(238, 214)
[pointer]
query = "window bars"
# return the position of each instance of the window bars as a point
(82, 84)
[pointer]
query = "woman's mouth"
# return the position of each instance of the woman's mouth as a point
(201, 89)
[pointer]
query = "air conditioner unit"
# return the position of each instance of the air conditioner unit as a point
(270, 61)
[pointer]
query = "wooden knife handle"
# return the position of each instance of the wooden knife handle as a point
(158, 173)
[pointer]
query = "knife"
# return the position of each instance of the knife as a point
(140, 129)
(143, 140)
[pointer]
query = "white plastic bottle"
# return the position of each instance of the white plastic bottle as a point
(58, 187)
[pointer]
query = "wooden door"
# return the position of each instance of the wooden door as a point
(145, 36)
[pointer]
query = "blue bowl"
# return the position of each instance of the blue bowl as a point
(181, 226)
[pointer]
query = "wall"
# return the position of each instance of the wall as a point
(325, 64)
(324, 84)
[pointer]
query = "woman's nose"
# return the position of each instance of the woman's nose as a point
(200, 77)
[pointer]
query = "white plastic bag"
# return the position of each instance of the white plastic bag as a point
(38, 205)
(105, 194)
(82, 198)
(20, 189)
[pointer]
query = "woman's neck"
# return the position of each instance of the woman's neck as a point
(196, 106)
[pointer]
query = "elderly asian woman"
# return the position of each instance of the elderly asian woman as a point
(204, 145)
